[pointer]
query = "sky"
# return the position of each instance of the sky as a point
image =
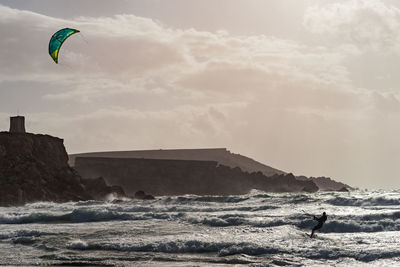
(307, 86)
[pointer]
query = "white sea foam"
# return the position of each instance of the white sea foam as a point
(78, 244)
(258, 228)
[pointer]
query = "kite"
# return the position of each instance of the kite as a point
(57, 40)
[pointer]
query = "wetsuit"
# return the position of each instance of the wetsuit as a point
(321, 220)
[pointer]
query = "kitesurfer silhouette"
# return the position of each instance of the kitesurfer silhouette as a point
(321, 220)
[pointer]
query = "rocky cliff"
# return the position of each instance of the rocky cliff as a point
(177, 177)
(220, 155)
(34, 167)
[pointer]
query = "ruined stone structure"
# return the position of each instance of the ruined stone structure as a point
(17, 124)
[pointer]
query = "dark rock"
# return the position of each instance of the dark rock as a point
(99, 190)
(33, 167)
(142, 195)
(178, 177)
(310, 188)
(343, 189)
(149, 197)
(324, 183)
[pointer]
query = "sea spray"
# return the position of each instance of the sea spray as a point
(257, 228)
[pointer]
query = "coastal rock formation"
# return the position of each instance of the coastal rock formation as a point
(220, 155)
(98, 189)
(326, 184)
(178, 177)
(142, 195)
(33, 167)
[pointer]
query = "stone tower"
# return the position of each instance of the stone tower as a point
(17, 124)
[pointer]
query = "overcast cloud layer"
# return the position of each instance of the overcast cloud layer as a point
(325, 106)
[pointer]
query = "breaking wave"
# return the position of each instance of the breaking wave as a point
(223, 249)
(76, 216)
(378, 222)
(216, 199)
(179, 246)
(21, 233)
(354, 201)
(271, 228)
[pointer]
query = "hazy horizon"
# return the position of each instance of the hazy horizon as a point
(308, 87)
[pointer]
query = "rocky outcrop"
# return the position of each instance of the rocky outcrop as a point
(98, 189)
(326, 184)
(33, 167)
(343, 189)
(142, 195)
(220, 155)
(178, 177)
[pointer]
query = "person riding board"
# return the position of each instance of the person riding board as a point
(321, 220)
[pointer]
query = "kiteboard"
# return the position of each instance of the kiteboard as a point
(307, 234)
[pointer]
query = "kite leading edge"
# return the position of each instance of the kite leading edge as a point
(57, 40)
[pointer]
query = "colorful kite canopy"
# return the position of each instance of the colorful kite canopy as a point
(57, 40)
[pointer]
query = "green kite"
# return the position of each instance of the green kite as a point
(57, 40)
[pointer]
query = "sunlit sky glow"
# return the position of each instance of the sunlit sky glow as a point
(309, 87)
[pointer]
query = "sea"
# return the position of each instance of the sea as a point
(257, 229)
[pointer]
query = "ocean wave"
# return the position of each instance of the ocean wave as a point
(85, 215)
(178, 246)
(76, 216)
(224, 249)
(89, 203)
(215, 221)
(356, 227)
(248, 249)
(259, 208)
(199, 208)
(372, 201)
(235, 220)
(335, 224)
(355, 224)
(366, 255)
(41, 205)
(78, 245)
(21, 233)
(216, 199)
(298, 199)
(374, 222)
(27, 241)
(262, 195)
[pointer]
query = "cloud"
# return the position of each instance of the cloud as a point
(122, 128)
(370, 24)
(125, 54)
(128, 82)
